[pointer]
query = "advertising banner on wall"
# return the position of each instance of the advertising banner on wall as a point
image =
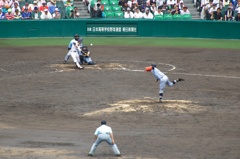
(111, 29)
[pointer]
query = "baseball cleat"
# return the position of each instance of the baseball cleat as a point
(160, 100)
(90, 154)
(64, 62)
(181, 79)
(118, 155)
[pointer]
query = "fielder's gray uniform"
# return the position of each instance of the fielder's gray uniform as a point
(103, 134)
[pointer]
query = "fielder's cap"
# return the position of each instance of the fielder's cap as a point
(103, 122)
(76, 35)
(45, 10)
(9, 10)
(148, 69)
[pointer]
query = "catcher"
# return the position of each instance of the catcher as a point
(85, 56)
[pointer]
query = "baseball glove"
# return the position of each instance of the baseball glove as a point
(86, 54)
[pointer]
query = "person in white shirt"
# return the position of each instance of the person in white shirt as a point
(137, 14)
(147, 14)
(159, 11)
(104, 133)
(212, 9)
(15, 7)
(170, 3)
(56, 14)
(46, 14)
(128, 13)
(184, 10)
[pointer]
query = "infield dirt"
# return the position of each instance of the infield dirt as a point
(50, 110)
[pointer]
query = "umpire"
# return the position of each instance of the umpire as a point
(104, 133)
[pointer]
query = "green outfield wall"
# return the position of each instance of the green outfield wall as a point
(120, 27)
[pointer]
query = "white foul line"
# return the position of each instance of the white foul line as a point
(192, 74)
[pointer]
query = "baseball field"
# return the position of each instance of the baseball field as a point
(50, 110)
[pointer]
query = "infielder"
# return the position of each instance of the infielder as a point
(162, 78)
(104, 133)
(85, 56)
(74, 53)
(75, 40)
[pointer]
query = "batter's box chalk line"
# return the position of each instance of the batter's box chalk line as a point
(149, 104)
(134, 66)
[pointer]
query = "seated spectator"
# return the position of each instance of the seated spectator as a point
(121, 3)
(43, 7)
(137, 14)
(74, 13)
(1, 14)
(226, 2)
(56, 14)
(211, 10)
(11, 3)
(229, 14)
(46, 14)
(51, 6)
(4, 3)
(180, 6)
(134, 6)
(68, 3)
(128, 13)
(26, 6)
(86, 2)
(9, 15)
(17, 15)
(237, 17)
(15, 6)
(217, 15)
(176, 10)
(165, 8)
(98, 10)
(220, 4)
(159, 11)
(36, 15)
(147, 14)
(129, 2)
(35, 4)
(124, 8)
(184, 10)
(171, 3)
(205, 9)
(26, 14)
(159, 2)
(153, 8)
(142, 7)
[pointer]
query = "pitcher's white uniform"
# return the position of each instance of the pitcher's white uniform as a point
(162, 78)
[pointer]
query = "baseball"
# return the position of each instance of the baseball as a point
(91, 44)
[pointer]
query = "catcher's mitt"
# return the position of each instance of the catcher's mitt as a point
(86, 54)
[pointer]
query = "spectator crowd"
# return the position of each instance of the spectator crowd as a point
(221, 10)
(37, 9)
(147, 9)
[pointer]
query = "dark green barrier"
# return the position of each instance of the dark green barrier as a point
(120, 27)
